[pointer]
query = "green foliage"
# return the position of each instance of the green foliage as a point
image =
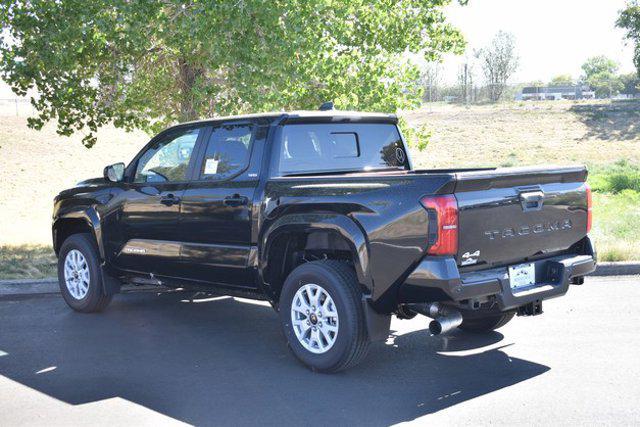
(561, 80)
(416, 136)
(535, 83)
(600, 74)
(147, 64)
(629, 20)
(631, 83)
(617, 178)
(615, 225)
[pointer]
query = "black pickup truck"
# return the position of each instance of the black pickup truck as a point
(321, 214)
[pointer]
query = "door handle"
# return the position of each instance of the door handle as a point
(169, 199)
(235, 200)
(532, 201)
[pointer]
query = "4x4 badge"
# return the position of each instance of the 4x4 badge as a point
(469, 258)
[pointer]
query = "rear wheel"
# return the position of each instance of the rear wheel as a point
(322, 316)
(486, 324)
(80, 276)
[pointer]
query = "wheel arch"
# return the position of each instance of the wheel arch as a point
(334, 234)
(84, 220)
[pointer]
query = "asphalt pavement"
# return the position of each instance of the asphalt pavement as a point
(154, 359)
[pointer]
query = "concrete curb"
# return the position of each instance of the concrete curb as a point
(623, 268)
(30, 287)
(26, 287)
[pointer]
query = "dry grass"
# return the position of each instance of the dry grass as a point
(27, 262)
(35, 166)
(526, 133)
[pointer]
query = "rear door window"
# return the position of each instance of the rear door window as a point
(328, 147)
(228, 151)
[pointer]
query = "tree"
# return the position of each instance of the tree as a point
(561, 80)
(466, 80)
(629, 20)
(150, 63)
(631, 83)
(431, 80)
(499, 61)
(600, 75)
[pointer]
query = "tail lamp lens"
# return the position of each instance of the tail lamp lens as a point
(589, 209)
(445, 211)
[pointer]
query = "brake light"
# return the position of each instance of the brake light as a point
(589, 209)
(443, 240)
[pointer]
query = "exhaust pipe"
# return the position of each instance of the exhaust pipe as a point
(445, 319)
(445, 324)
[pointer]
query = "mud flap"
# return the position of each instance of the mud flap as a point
(378, 325)
(110, 285)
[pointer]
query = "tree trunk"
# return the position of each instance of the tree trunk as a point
(187, 75)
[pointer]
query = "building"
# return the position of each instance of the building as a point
(555, 93)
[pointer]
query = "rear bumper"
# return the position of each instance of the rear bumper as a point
(440, 276)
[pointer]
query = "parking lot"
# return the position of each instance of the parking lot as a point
(154, 359)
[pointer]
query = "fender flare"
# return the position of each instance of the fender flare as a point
(91, 217)
(341, 224)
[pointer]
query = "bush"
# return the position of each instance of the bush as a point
(616, 178)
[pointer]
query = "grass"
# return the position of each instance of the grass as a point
(27, 262)
(36, 165)
(616, 205)
(596, 133)
(615, 225)
(615, 178)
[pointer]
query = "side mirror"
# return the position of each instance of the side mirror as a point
(115, 172)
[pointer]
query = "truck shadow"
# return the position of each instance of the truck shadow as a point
(224, 362)
(615, 121)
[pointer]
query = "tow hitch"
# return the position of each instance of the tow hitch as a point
(445, 319)
(532, 309)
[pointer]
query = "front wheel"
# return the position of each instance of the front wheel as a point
(322, 316)
(79, 275)
(482, 325)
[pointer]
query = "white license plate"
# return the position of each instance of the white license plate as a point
(523, 275)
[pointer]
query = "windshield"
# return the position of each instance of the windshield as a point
(341, 147)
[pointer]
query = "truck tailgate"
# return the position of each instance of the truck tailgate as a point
(516, 214)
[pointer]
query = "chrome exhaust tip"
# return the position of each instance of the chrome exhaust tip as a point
(445, 324)
(445, 319)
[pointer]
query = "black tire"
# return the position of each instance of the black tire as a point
(481, 325)
(95, 299)
(339, 280)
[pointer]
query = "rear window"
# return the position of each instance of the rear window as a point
(342, 147)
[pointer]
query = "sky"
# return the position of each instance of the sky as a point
(552, 36)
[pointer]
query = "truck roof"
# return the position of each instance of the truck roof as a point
(309, 116)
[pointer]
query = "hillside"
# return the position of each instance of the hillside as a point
(35, 166)
(595, 133)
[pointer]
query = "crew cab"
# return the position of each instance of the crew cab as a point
(321, 214)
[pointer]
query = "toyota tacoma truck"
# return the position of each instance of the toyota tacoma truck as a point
(321, 214)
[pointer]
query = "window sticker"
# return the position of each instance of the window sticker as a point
(211, 167)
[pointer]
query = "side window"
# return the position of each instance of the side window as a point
(228, 151)
(168, 159)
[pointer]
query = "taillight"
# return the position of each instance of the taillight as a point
(589, 208)
(444, 210)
